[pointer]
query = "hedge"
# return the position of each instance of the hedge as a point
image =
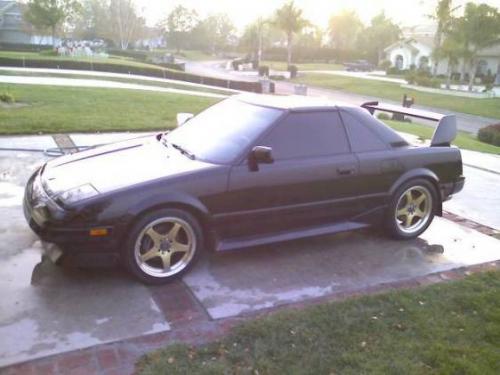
(490, 134)
(304, 54)
(20, 47)
(159, 72)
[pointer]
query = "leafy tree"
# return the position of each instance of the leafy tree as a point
(344, 29)
(311, 36)
(50, 14)
(125, 24)
(443, 16)
(179, 24)
(214, 33)
(289, 19)
(381, 33)
(93, 20)
(256, 37)
(451, 47)
(480, 27)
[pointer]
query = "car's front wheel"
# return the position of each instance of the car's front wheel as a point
(163, 245)
(412, 209)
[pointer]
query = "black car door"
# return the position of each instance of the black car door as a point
(379, 166)
(310, 182)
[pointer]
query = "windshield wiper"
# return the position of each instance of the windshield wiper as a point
(183, 151)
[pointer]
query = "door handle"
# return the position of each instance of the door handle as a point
(345, 171)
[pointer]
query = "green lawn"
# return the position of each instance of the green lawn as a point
(464, 140)
(392, 91)
(450, 328)
(115, 60)
(52, 109)
(280, 65)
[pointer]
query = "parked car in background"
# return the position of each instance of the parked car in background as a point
(359, 66)
(248, 171)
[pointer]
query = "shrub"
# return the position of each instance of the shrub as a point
(394, 70)
(490, 134)
(384, 65)
(421, 78)
(263, 70)
(293, 70)
(7, 97)
(383, 116)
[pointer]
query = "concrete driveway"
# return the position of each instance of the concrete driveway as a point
(48, 309)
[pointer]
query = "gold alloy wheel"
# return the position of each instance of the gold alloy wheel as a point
(414, 209)
(165, 247)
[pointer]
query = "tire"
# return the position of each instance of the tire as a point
(412, 209)
(162, 246)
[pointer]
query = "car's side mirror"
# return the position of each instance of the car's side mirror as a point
(260, 155)
(182, 118)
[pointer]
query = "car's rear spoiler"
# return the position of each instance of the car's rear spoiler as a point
(445, 132)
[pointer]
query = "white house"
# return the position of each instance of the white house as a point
(13, 29)
(416, 51)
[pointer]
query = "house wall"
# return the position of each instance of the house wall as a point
(405, 53)
(489, 58)
(13, 29)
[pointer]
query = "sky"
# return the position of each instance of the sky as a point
(242, 12)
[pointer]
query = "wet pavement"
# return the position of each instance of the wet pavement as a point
(47, 309)
(231, 284)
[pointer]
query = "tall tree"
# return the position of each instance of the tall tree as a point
(481, 28)
(256, 37)
(125, 23)
(451, 48)
(214, 33)
(50, 14)
(93, 21)
(344, 29)
(311, 36)
(178, 26)
(443, 16)
(289, 19)
(381, 33)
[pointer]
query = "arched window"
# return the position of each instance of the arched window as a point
(399, 62)
(482, 68)
(423, 63)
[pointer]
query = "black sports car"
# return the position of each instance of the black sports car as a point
(250, 170)
(359, 66)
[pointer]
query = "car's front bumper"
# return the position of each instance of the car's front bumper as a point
(54, 224)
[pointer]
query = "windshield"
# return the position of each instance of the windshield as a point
(220, 133)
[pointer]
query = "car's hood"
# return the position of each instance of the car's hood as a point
(117, 165)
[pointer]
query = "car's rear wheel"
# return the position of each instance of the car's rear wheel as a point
(412, 209)
(163, 245)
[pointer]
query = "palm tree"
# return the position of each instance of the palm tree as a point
(289, 19)
(443, 17)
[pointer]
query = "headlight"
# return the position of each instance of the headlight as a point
(77, 194)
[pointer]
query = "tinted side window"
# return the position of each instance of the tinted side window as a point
(308, 134)
(361, 137)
